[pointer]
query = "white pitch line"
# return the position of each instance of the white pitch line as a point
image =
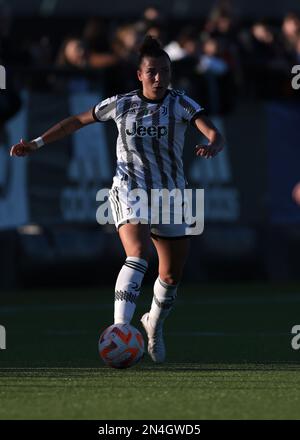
(276, 366)
(239, 334)
(54, 308)
(174, 333)
(68, 332)
(290, 299)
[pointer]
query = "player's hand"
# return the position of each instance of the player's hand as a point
(208, 151)
(23, 148)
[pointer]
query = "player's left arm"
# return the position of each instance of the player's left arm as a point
(216, 140)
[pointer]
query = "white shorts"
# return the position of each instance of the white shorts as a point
(126, 210)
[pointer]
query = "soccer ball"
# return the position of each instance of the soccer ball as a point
(121, 346)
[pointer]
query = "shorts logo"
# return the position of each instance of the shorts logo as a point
(153, 131)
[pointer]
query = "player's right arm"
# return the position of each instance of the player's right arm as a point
(58, 131)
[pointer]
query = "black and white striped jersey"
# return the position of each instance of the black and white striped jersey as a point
(151, 137)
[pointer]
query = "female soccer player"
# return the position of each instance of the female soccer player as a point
(151, 124)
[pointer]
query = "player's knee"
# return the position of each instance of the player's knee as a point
(170, 278)
(139, 251)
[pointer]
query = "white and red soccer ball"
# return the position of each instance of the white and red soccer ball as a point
(121, 346)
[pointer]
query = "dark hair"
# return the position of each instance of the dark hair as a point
(151, 47)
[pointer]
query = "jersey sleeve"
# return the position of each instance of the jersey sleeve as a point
(189, 109)
(105, 110)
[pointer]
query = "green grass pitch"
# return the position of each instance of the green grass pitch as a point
(229, 356)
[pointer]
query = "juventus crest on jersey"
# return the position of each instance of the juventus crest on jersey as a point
(151, 137)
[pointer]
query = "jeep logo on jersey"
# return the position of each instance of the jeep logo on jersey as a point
(157, 131)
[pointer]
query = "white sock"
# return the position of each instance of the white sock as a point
(127, 288)
(163, 300)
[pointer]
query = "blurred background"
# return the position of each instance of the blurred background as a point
(234, 57)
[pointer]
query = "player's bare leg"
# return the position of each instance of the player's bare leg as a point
(137, 243)
(136, 240)
(172, 255)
